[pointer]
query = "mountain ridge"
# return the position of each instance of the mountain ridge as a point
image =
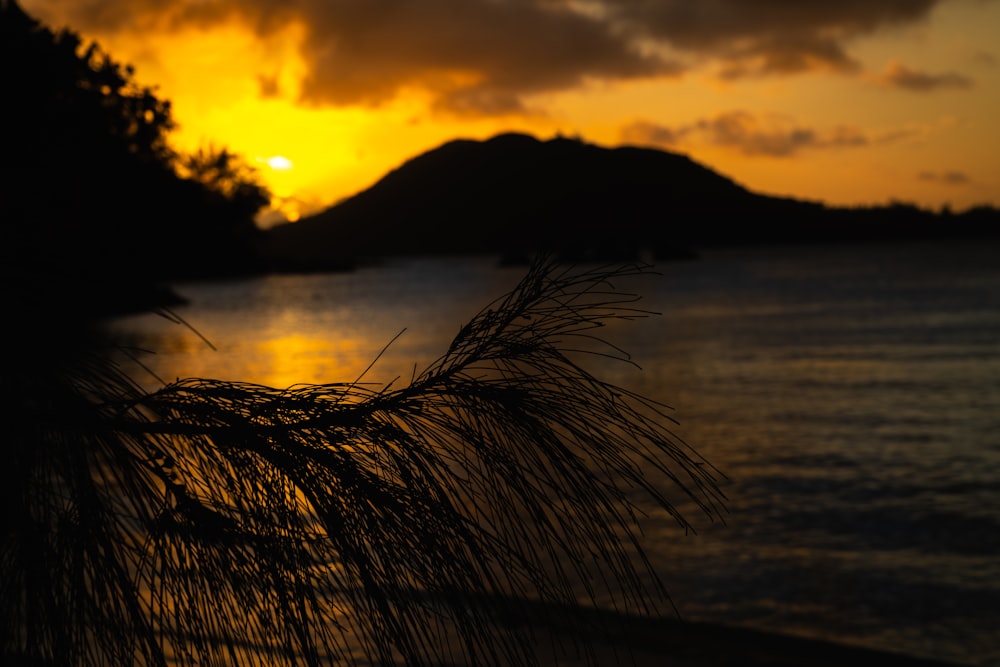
(514, 195)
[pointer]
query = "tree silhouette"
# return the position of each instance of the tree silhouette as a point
(226, 173)
(220, 523)
(92, 189)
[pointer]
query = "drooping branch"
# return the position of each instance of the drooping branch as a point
(504, 468)
(369, 525)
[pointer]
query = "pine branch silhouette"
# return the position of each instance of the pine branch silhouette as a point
(219, 523)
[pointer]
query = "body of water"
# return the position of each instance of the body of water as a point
(851, 396)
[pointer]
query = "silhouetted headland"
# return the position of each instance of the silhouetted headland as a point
(514, 195)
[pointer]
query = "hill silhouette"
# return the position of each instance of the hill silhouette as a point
(515, 195)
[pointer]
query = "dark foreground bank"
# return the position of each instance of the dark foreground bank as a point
(622, 639)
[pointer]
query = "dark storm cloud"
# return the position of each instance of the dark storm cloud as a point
(476, 56)
(750, 134)
(486, 56)
(901, 76)
(768, 36)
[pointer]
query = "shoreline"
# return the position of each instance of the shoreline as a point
(572, 637)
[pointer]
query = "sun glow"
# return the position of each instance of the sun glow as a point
(229, 87)
(290, 359)
(278, 162)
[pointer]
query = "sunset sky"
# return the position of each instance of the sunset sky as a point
(844, 101)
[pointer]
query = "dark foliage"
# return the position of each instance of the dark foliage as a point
(90, 185)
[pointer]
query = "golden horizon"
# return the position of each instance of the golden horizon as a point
(899, 107)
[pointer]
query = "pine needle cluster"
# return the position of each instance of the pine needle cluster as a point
(223, 523)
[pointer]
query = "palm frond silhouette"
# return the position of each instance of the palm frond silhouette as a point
(218, 523)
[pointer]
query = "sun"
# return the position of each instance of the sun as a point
(278, 162)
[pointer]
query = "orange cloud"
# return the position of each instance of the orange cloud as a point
(754, 135)
(945, 177)
(984, 58)
(898, 75)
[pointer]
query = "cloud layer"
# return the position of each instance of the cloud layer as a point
(488, 56)
(952, 177)
(901, 76)
(753, 134)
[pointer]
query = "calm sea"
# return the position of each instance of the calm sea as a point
(851, 395)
